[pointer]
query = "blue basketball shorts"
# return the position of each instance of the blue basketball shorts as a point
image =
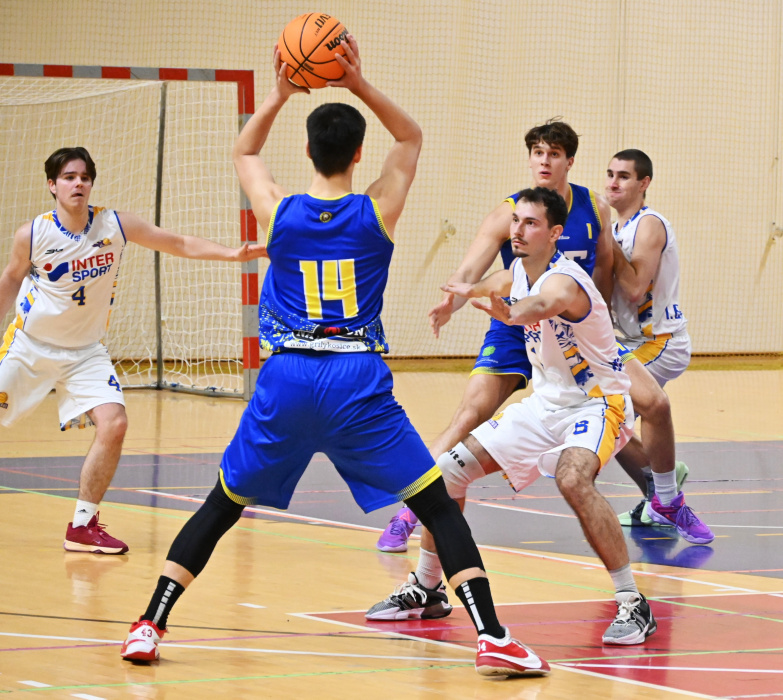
(340, 404)
(504, 352)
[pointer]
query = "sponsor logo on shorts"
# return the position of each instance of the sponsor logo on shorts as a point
(494, 420)
(486, 352)
(3, 400)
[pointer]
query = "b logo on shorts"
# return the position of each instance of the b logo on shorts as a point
(488, 351)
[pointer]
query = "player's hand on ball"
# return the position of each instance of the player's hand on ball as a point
(284, 85)
(352, 65)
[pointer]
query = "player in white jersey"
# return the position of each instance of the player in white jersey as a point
(578, 416)
(63, 273)
(649, 321)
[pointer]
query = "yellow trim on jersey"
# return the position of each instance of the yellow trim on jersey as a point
(652, 349)
(241, 500)
(614, 417)
(420, 484)
(10, 334)
(595, 209)
(380, 221)
(272, 222)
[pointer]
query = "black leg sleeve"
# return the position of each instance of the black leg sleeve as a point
(440, 514)
(196, 541)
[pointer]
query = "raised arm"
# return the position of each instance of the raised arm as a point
(602, 272)
(399, 168)
(148, 235)
(17, 268)
(492, 233)
(498, 282)
(254, 176)
(634, 276)
(560, 295)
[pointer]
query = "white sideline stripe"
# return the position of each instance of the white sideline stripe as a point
(169, 645)
(525, 510)
(639, 667)
(252, 605)
(36, 684)
(84, 696)
(505, 550)
(277, 513)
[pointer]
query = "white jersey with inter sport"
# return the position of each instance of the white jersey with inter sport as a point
(66, 299)
(573, 361)
(658, 313)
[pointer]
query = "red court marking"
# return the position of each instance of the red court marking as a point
(715, 645)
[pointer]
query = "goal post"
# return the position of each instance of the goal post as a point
(161, 139)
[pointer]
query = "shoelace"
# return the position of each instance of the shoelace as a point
(399, 527)
(411, 589)
(625, 610)
(687, 515)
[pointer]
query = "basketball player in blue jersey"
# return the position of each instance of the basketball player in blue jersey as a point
(61, 279)
(325, 387)
(502, 366)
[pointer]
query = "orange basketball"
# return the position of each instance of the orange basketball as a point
(308, 45)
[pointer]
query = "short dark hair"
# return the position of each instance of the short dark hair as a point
(641, 162)
(57, 161)
(555, 133)
(334, 132)
(554, 204)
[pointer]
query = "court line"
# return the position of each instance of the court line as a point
(676, 668)
(555, 665)
(486, 547)
(534, 555)
(185, 645)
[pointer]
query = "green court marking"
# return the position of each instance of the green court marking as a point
(271, 676)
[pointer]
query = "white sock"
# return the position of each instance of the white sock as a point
(83, 513)
(623, 580)
(666, 486)
(429, 571)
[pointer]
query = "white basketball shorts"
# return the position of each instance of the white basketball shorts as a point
(526, 439)
(29, 369)
(665, 357)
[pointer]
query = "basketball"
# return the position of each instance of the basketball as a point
(308, 46)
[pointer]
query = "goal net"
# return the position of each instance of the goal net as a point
(195, 326)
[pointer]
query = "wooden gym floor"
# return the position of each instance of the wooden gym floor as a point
(278, 612)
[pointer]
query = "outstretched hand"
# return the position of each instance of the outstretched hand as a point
(440, 314)
(497, 308)
(351, 63)
(250, 251)
(284, 85)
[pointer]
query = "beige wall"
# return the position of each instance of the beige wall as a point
(697, 85)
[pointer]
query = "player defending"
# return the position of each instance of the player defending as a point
(325, 388)
(647, 316)
(579, 414)
(502, 366)
(63, 273)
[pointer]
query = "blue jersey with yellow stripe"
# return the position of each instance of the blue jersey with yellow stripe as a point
(580, 234)
(329, 267)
